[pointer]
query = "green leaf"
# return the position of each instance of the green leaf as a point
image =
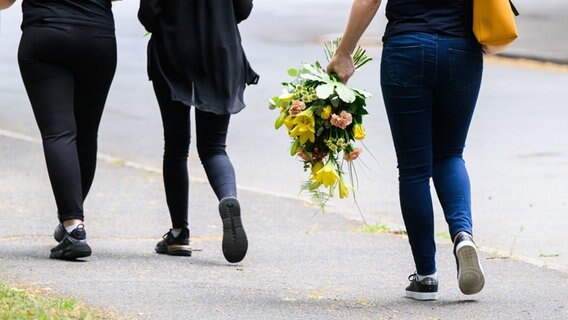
(345, 93)
(292, 72)
(309, 76)
(364, 93)
(335, 101)
(318, 72)
(353, 108)
(325, 90)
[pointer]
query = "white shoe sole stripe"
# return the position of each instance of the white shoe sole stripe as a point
(424, 296)
(471, 278)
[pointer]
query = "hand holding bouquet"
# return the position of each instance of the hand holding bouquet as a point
(324, 119)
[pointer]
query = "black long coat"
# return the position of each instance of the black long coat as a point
(195, 47)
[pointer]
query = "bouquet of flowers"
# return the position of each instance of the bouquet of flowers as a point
(324, 119)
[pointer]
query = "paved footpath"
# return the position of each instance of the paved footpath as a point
(299, 266)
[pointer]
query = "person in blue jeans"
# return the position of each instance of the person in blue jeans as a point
(431, 70)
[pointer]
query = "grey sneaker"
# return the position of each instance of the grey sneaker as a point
(424, 290)
(471, 278)
(235, 243)
(72, 245)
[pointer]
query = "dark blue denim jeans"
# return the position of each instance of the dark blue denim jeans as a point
(430, 85)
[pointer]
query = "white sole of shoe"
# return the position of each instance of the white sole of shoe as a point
(471, 278)
(422, 296)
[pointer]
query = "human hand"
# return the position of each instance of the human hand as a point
(5, 4)
(342, 66)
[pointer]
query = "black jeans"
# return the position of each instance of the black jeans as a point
(211, 132)
(67, 71)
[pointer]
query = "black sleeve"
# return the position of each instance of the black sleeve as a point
(242, 9)
(148, 13)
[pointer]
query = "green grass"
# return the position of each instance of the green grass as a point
(443, 235)
(549, 255)
(515, 238)
(381, 228)
(375, 228)
(18, 304)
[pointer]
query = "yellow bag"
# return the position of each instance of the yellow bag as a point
(494, 24)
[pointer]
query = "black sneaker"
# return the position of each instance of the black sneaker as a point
(235, 243)
(72, 245)
(175, 246)
(424, 290)
(471, 278)
(59, 233)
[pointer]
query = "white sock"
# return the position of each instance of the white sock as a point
(421, 277)
(176, 232)
(72, 227)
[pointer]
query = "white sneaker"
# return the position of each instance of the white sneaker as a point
(471, 278)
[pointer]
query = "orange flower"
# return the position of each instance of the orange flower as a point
(297, 107)
(353, 154)
(342, 121)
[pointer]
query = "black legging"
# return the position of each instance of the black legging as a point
(67, 71)
(211, 132)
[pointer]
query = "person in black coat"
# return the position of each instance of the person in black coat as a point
(195, 58)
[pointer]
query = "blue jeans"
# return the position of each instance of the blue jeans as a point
(430, 85)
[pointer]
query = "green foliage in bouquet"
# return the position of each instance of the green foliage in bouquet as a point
(324, 119)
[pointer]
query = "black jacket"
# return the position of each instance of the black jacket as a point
(196, 49)
(150, 10)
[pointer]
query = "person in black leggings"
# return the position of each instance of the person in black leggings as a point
(195, 58)
(67, 59)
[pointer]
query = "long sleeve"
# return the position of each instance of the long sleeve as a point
(242, 9)
(148, 14)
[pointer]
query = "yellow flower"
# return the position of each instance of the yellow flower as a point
(304, 126)
(359, 132)
(326, 112)
(314, 185)
(343, 189)
(289, 123)
(327, 175)
(315, 168)
(285, 98)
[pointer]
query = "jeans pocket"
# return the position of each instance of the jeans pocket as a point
(404, 65)
(466, 69)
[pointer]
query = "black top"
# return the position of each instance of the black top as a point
(447, 17)
(95, 13)
(196, 49)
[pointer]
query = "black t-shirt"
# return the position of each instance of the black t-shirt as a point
(448, 17)
(94, 13)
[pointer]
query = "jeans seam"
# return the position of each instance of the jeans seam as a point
(436, 61)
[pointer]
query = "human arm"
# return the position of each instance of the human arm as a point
(242, 9)
(148, 13)
(362, 13)
(5, 4)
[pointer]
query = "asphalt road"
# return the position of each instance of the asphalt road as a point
(517, 152)
(299, 266)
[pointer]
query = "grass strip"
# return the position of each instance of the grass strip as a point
(19, 304)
